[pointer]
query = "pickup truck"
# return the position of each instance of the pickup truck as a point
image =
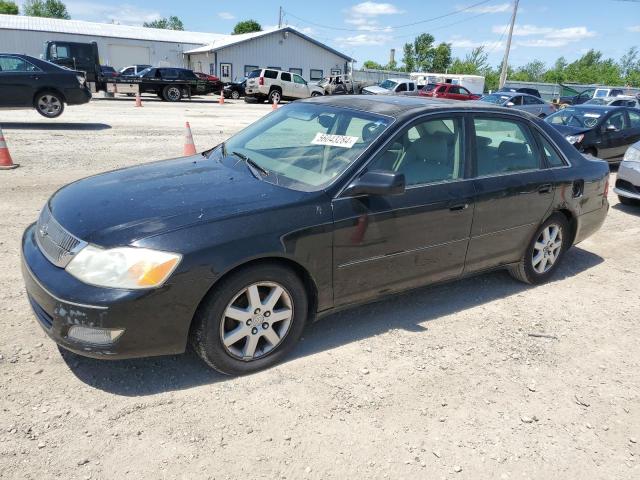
(393, 86)
(170, 84)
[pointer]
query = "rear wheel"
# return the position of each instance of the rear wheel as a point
(545, 251)
(49, 104)
(171, 93)
(251, 320)
(275, 96)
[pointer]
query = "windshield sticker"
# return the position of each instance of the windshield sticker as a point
(343, 141)
(592, 115)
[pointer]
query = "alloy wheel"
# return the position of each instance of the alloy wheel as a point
(235, 95)
(256, 321)
(173, 93)
(49, 105)
(546, 249)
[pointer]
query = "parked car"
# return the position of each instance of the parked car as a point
(206, 76)
(628, 178)
(133, 70)
(235, 90)
(108, 71)
(529, 91)
(425, 89)
(602, 131)
(275, 86)
(393, 86)
(28, 82)
(323, 204)
(521, 101)
(621, 101)
(449, 91)
(172, 84)
(577, 99)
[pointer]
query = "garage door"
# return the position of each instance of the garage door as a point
(119, 56)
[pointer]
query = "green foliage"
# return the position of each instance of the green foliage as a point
(45, 8)
(171, 23)
(424, 56)
(246, 26)
(441, 58)
(409, 57)
(8, 8)
(474, 63)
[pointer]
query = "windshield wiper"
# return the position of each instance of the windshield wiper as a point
(253, 164)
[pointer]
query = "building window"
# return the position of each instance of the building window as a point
(315, 74)
(336, 71)
(275, 68)
(225, 71)
(296, 70)
(212, 69)
(250, 68)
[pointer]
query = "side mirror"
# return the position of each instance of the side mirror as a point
(377, 182)
(510, 104)
(326, 121)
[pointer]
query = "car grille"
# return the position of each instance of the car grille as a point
(55, 243)
(628, 186)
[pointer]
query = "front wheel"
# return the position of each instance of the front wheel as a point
(49, 104)
(251, 320)
(316, 94)
(235, 94)
(171, 93)
(544, 252)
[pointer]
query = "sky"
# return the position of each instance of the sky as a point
(545, 29)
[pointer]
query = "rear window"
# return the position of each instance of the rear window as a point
(270, 74)
(254, 73)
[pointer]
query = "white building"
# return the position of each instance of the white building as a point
(228, 56)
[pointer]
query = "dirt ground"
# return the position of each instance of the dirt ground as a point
(481, 379)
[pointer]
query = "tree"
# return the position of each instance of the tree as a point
(46, 8)
(8, 8)
(409, 58)
(424, 52)
(474, 63)
(246, 26)
(531, 72)
(171, 23)
(371, 65)
(441, 58)
(629, 62)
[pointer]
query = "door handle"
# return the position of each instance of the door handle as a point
(458, 207)
(35, 77)
(546, 188)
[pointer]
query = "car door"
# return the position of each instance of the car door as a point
(401, 89)
(516, 100)
(19, 81)
(464, 94)
(614, 132)
(288, 87)
(532, 105)
(301, 87)
(633, 134)
(513, 192)
(388, 243)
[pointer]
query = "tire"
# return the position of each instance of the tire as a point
(532, 271)
(171, 93)
(252, 327)
(275, 96)
(49, 104)
(316, 94)
(628, 201)
(235, 94)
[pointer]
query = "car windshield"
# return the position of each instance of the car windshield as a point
(576, 117)
(306, 146)
(388, 84)
(495, 98)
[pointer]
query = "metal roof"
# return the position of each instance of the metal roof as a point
(229, 40)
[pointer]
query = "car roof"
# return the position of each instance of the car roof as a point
(399, 106)
(591, 106)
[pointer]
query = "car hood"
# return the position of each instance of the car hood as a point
(122, 206)
(569, 130)
(376, 90)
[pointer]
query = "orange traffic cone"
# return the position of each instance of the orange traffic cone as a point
(138, 100)
(189, 146)
(221, 99)
(274, 105)
(6, 163)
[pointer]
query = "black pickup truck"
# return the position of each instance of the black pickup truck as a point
(170, 84)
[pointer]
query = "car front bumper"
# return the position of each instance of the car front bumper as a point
(628, 180)
(154, 323)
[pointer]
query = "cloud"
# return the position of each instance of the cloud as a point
(465, 43)
(373, 9)
(226, 16)
(634, 28)
(364, 39)
(501, 7)
(548, 37)
(121, 13)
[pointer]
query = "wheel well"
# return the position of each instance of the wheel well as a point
(275, 87)
(308, 282)
(571, 219)
(48, 89)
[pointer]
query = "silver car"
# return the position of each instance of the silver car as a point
(628, 180)
(619, 101)
(521, 101)
(393, 86)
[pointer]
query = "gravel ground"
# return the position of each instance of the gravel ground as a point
(482, 378)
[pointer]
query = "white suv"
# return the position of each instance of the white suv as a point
(275, 85)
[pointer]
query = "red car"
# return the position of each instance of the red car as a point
(206, 76)
(450, 91)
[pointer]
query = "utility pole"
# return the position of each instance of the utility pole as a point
(505, 62)
(280, 18)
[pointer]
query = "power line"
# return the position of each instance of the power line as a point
(385, 29)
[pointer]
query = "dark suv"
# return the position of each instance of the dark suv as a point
(27, 82)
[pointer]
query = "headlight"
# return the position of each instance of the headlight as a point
(574, 138)
(123, 267)
(632, 155)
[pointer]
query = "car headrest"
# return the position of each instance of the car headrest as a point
(512, 149)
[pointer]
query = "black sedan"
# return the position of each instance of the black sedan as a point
(320, 205)
(602, 131)
(27, 82)
(234, 90)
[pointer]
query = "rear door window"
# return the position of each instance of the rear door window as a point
(532, 101)
(285, 77)
(503, 146)
(169, 73)
(634, 118)
(551, 154)
(270, 74)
